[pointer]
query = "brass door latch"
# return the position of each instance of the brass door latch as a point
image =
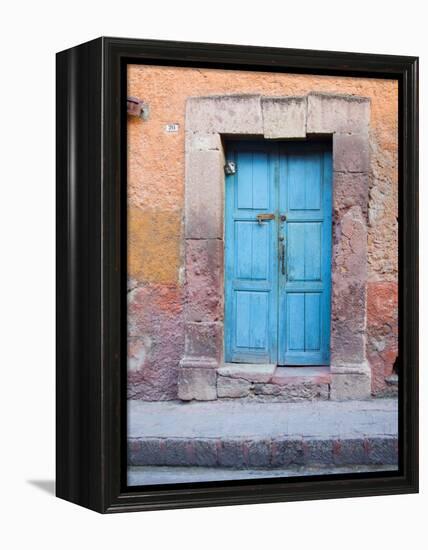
(264, 217)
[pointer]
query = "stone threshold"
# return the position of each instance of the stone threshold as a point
(276, 374)
(267, 381)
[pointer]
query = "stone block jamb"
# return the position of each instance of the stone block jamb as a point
(344, 117)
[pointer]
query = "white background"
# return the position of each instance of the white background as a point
(31, 33)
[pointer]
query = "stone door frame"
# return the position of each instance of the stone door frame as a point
(346, 118)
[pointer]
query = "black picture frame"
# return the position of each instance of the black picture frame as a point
(91, 274)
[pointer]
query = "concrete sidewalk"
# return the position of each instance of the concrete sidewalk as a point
(262, 435)
(155, 475)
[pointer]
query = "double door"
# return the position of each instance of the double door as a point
(278, 253)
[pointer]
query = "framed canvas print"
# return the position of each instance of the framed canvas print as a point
(237, 274)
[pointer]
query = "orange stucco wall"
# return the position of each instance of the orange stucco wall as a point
(156, 200)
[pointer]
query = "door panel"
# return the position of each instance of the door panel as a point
(304, 313)
(313, 306)
(252, 317)
(304, 251)
(252, 250)
(277, 309)
(296, 313)
(304, 178)
(252, 180)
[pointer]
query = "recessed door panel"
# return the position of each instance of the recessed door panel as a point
(252, 321)
(304, 179)
(304, 314)
(252, 180)
(304, 251)
(252, 251)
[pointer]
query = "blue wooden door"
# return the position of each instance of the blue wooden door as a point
(304, 238)
(251, 266)
(278, 253)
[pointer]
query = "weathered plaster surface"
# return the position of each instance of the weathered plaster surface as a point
(155, 340)
(382, 332)
(154, 245)
(156, 175)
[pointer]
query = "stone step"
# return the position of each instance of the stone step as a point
(260, 435)
(272, 383)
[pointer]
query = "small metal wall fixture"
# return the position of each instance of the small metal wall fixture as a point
(230, 168)
(137, 107)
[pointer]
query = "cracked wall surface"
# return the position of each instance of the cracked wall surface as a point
(156, 175)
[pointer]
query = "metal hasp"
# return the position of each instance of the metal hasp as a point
(230, 168)
(265, 217)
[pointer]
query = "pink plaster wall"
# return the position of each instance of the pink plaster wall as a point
(156, 164)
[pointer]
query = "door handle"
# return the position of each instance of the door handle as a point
(264, 217)
(282, 257)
